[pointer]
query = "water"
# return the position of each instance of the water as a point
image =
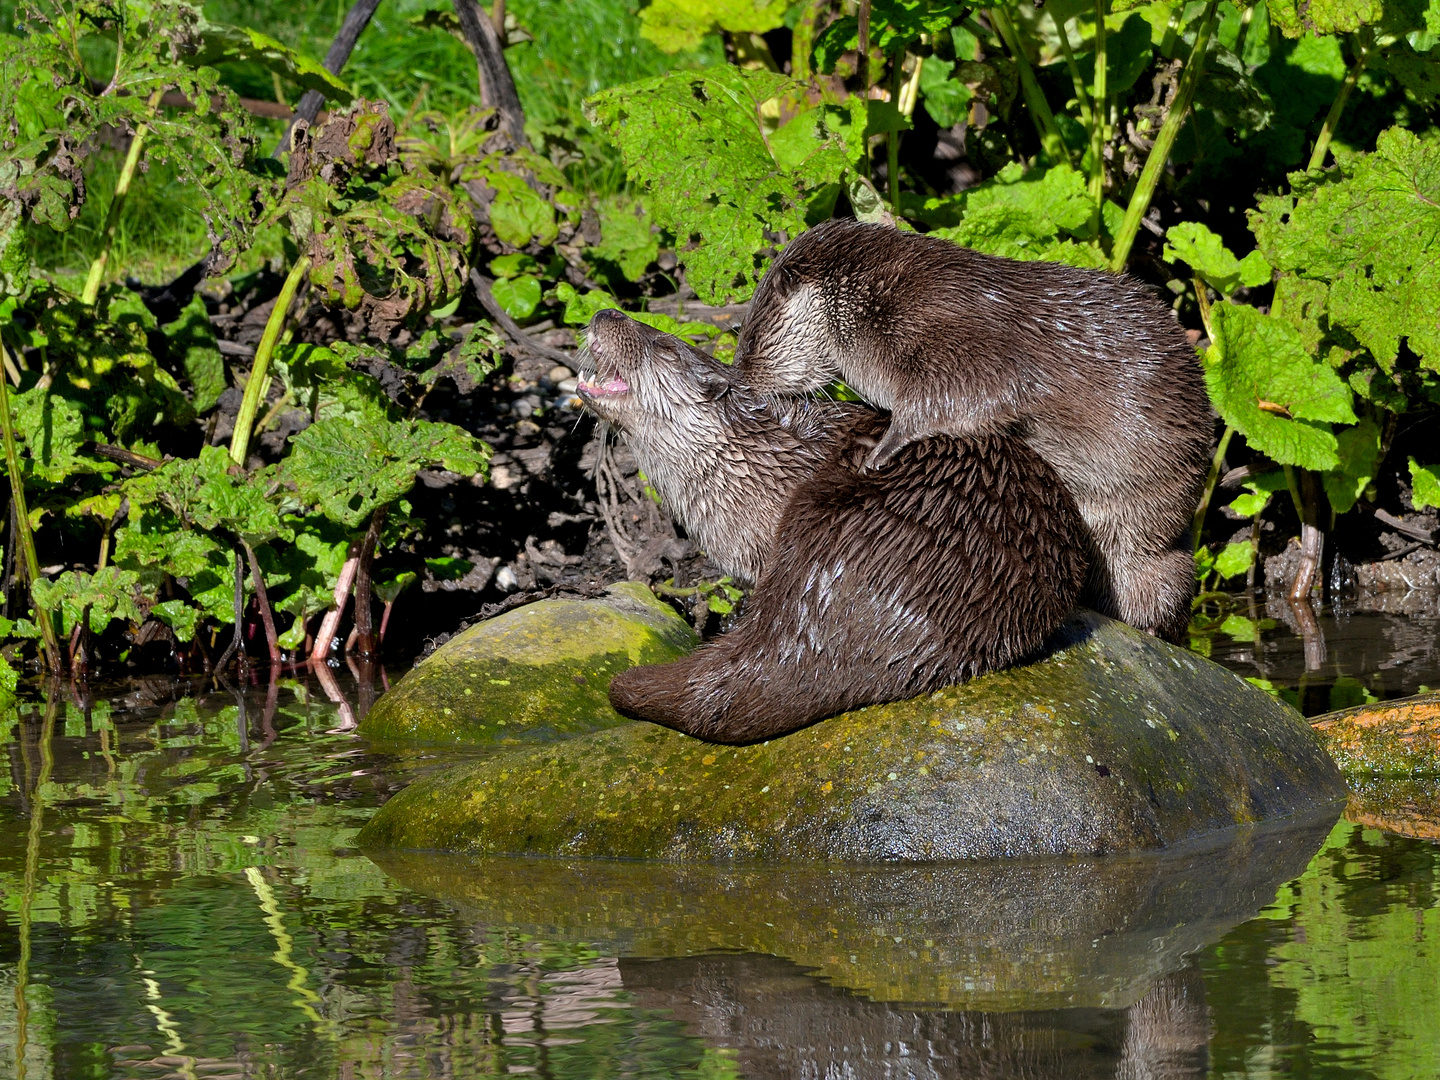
(181, 898)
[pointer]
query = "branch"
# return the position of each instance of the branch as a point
(356, 19)
(510, 327)
(497, 86)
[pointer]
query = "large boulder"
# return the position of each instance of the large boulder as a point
(1022, 934)
(1114, 742)
(538, 672)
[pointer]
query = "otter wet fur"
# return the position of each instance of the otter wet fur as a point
(961, 557)
(1089, 369)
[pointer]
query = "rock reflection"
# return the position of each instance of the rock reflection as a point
(782, 1024)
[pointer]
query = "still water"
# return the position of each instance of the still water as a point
(181, 898)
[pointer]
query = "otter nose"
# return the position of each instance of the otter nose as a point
(607, 315)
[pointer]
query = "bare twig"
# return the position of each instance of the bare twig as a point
(235, 642)
(1404, 528)
(262, 601)
(356, 19)
(125, 457)
(497, 86)
(364, 624)
(509, 327)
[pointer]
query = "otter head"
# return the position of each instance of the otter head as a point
(791, 342)
(649, 384)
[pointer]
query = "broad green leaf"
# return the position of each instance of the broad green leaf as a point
(695, 141)
(212, 494)
(349, 470)
(1359, 452)
(1258, 491)
(627, 237)
(1234, 559)
(1266, 386)
(1371, 232)
(518, 296)
(106, 595)
(1238, 627)
(1300, 17)
(894, 25)
(1027, 216)
(676, 25)
(1207, 255)
(448, 568)
(509, 266)
(947, 99)
(179, 616)
(51, 431)
(1127, 55)
(1424, 485)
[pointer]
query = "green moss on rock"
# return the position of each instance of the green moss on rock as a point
(1115, 742)
(538, 672)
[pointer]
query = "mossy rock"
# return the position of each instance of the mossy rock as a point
(1387, 738)
(1114, 742)
(538, 672)
(1022, 934)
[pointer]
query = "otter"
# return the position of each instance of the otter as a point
(963, 556)
(1093, 373)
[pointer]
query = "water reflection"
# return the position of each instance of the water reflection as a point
(179, 897)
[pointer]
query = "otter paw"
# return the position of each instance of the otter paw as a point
(894, 441)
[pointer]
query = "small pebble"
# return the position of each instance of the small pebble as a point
(506, 581)
(559, 373)
(567, 386)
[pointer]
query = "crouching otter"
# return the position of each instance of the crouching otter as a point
(1094, 374)
(961, 557)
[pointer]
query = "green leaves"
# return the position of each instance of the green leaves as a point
(348, 470)
(1424, 485)
(1297, 17)
(1266, 386)
(1025, 216)
(106, 595)
(1212, 261)
(1370, 232)
(717, 179)
(675, 25)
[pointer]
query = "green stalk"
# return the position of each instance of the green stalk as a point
(49, 642)
(112, 216)
(892, 140)
(1051, 143)
(1210, 483)
(1102, 109)
(1082, 96)
(260, 371)
(1164, 142)
(1332, 119)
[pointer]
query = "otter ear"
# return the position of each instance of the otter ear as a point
(713, 384)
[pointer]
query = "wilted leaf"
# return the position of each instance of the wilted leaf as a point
(675, 25)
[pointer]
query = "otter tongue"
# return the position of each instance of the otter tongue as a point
(616, 385)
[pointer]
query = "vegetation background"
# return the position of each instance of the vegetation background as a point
(384, 308)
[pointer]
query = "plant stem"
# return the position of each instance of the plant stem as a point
(892, 142)
(1244, 32)
(356, 19)
(262, 601)
(49, 641)
(1051, 143)
(1332, 119)
(1210, 482)
(1164, 142)
(1202, 299)
(260, 370)
(331, 623)
(1082, 96)
(364, 623)
(91, 291)
(804, 39)
(1101, 111)
(862, 61)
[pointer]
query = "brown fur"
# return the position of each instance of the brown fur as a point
(961, 557)
(1089, 369)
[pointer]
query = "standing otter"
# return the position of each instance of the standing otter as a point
(1093, 373)
(961, 557)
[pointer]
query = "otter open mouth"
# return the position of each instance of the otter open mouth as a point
(603, 388)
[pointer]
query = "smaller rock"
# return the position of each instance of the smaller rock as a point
(1388, 738)
(559, 373)
(538, 672)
